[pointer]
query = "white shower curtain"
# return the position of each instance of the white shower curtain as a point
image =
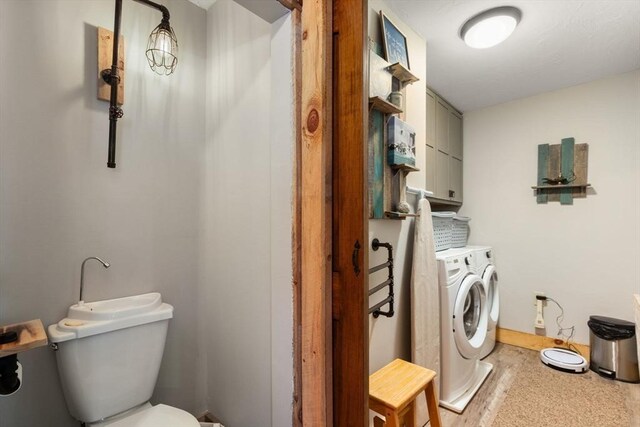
(425, 302)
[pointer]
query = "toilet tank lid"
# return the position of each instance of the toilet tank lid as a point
(87, 319)
(154, 416)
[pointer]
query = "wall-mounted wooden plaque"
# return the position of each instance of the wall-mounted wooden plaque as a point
(105, 56)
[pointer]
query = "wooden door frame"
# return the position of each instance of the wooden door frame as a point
(330, 225)
(350, 213)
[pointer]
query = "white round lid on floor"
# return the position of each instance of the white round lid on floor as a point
(156, 416)
(563, 359)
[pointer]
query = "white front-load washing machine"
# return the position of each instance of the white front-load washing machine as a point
(463, 328)
(485, 268)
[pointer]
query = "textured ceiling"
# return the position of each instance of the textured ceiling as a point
(558, 43)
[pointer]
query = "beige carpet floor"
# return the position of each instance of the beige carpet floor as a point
(544, 397)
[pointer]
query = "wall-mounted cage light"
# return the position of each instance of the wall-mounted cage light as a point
(162, 54)
(162, 49)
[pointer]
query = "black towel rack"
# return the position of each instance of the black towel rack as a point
(375, 245)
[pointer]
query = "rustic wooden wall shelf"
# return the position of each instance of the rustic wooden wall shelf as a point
(405, 168)
(400, 215)
(567, 161)
(387, 183)
(401, 73)
(449, 204)
(548, 187)
(31, 335)
(384, 106)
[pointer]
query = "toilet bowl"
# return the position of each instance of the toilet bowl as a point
(108, 355)
(150, 416)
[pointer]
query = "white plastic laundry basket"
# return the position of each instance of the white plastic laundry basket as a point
(460, 231)
(442, 227)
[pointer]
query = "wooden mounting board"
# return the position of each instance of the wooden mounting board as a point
(31, 335)
(105, 56)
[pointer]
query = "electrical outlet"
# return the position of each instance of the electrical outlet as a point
(539, 322)
(535, 301)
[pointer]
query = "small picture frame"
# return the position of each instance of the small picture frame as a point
(395, 43)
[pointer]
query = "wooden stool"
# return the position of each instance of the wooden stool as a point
(393, 391)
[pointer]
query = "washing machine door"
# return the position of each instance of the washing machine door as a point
(470, 316)
(490, 279)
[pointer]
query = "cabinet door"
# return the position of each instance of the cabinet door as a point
(430, 166)
(455, 179)
(442, 175)
(455, 135)
(442, 126)
(430, 172)
(431, 119)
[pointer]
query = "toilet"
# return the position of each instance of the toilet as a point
(108, 354)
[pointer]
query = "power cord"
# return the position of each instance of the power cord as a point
(561, 330)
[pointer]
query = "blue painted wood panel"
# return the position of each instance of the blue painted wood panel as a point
(543, 170)
(376, 139)
(566, 168)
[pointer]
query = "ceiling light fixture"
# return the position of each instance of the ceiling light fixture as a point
(490, 27)
(162, 54)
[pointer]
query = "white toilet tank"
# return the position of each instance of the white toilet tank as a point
(109, 354)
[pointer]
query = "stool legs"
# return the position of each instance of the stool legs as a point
(432, 405)
(410, 415)
(393, 420)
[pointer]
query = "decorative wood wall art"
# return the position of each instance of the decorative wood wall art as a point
(395, 43)
(401, 150)
(387, 169)
(562, 172)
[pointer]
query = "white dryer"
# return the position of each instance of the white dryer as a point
(485, 268)
(463, 328)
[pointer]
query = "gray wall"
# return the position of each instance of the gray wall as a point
(281, 143)
(389, 338)
(198, 209)
(246, 253)
(59, 203)
(585, 256)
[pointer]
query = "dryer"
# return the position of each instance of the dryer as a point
(463, 328)
(485, 268)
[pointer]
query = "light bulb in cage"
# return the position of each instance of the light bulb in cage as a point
(162, 49)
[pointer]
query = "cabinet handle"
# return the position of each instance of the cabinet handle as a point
(354, 257)
(452, 193)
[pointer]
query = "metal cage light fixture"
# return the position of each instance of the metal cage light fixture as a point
(162, 49)
(161, 53)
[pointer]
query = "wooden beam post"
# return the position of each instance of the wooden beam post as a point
(296, 47)
(350, 214)
(315, 205)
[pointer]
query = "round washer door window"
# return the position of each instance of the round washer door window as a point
(470, 316)
(490, 278)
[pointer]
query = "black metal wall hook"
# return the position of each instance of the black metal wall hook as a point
(375, 310)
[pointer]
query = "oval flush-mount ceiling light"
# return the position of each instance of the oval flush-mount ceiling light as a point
(491, 27)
